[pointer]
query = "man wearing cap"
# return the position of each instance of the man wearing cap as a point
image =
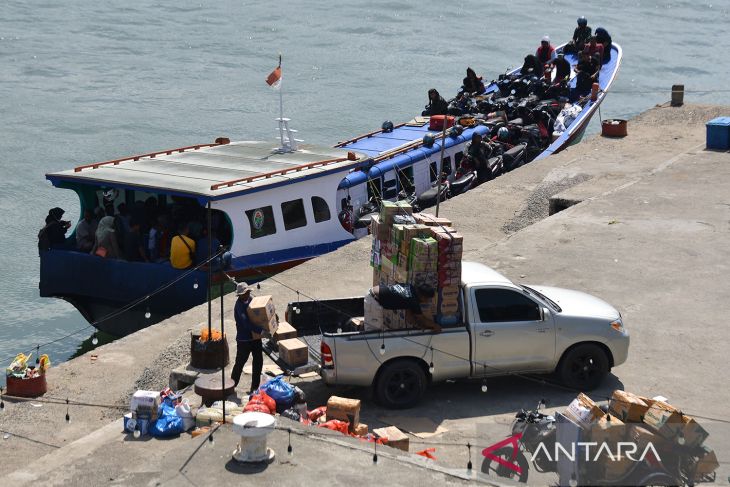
(248, 338)
(545, 53)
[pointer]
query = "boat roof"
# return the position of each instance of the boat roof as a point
(214, 171)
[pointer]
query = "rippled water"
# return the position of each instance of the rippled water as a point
(83, 81)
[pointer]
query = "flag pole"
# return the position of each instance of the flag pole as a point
(281, 110)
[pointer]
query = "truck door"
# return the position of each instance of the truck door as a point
(511, 331)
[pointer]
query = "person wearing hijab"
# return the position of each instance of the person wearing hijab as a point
(436, 104)
(53, 235)
(106, 244)
(603, 37)
(472, 83)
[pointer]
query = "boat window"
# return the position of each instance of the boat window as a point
(320, 209)
(433, 171)
(374, 188)
(390, 188)
(457, 158)
(261, 221)
(447, 165)
(293, 212)
(405, 179)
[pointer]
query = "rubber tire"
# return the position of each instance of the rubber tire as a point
(389, 376)
(576, 358)
(497, 470)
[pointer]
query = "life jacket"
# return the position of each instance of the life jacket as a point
(541, 54)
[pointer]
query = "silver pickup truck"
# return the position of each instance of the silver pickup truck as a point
(507, 328)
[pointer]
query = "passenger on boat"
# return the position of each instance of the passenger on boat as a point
(587, 73)
(531, 66)
(436, 104)
(562, 68)
(182, 249)
(133, 246)
(581, 34)
(604, 38)
(546, 52)
(53, 234)
(409, 298)
(478, 154)
(593, 47)
(248, 339)
(85, 231)
(106, 244)
(472, 84)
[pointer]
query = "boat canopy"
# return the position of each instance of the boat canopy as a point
(216, 171)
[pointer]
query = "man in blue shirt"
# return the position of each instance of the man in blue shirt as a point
(248, 338)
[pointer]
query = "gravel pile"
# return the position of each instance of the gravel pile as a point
(538, 203)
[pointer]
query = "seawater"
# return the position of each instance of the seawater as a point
(83, 81)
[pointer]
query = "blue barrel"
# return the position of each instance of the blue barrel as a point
(718, 133)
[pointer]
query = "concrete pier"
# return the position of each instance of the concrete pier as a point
(644, 223)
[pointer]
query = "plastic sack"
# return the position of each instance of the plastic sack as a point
(292, 414)
(262, 398)
(280, 391)
(299, 396)
(256, 407)
(184, 412)
(168, 423)
(337, 425)
(317, 413)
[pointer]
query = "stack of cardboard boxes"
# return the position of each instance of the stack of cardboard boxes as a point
(415, 249)
(292, 350)
(641, 420)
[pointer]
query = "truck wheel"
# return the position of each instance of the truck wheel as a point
(400, 384)
(584, 367)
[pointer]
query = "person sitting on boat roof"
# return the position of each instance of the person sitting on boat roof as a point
(604, 38)
(587, 71)
(133, 246)
(593, 47)
(85, 231)
(106, 240)
(472, 84)
(546, 52)
(531, 66)
(409, 298)
(53, 234)
(436, 104)
(182, 249)
(581, 34)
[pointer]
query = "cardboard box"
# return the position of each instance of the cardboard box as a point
(373, 314)
(396, 438)
(379, 230)
(432, 220)
(628, 407)
(361, 429)
(294, 352)
(609, 431)
(344, 409)
(391, 208)
(261, 310)
(706, 463)
(669, 422)
(583, 411)
(284, 332)
(145, 402)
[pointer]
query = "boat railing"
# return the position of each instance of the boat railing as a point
(365, 136)
(152, 155)
(351, 156)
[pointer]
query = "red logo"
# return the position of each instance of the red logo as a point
(512, 440)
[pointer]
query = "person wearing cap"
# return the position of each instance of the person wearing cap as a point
(53, 234)
(248, 339)
(546, 52)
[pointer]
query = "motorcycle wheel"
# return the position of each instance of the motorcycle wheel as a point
(492, 468)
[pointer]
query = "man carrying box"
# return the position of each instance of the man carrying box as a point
(409, 298)
(248, 338)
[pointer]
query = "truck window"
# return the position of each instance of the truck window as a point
(500, 305)
(320, 209)
(261, 221)
(293, 212)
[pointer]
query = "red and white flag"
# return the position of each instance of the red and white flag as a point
(274, 79)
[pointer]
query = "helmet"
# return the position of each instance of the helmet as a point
(582, 21)
(456, 130)
(387, 126)
(503, 133)
(428, 140)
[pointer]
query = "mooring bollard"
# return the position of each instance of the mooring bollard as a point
(677, 95)
(253, 428)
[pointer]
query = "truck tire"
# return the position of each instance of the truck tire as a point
(400, 384)
(584, 367)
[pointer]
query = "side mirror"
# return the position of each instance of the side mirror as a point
(544, 313)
